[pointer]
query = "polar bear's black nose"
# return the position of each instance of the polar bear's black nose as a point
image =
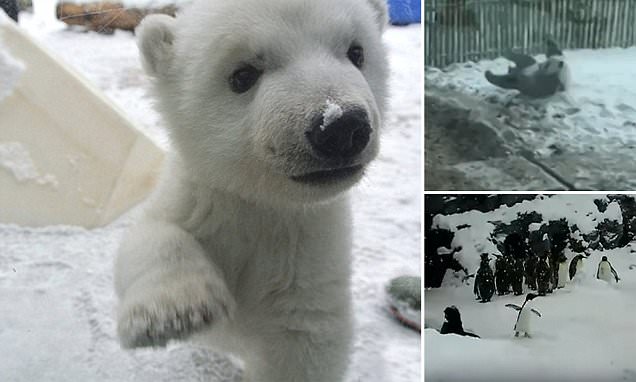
(343, 138)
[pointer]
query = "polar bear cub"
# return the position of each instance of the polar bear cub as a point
(274, 110)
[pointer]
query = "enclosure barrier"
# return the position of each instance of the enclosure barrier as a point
(471, 30)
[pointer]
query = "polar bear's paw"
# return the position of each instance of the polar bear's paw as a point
(163, 314)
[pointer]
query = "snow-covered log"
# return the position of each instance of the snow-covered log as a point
(105, 17)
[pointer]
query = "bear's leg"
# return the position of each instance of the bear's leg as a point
(167, 286)
(506, 81)
(301, 356)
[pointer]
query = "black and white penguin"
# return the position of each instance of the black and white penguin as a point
(453, 323)
(517, 277)
(606, 272)
(522, 325)
(576, 265)
(533, 79)
(502, 275)
(484, 280)
(531, 270)
(562, 272)
(544, 276)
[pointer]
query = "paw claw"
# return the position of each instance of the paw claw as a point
(157, 318)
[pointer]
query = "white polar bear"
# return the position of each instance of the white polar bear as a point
(274, 110)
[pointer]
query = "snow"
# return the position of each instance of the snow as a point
(57, 305)
(10, 68)
(597, 115)
(585, 333)
(582, 212)
(332, 112)
(15, 158)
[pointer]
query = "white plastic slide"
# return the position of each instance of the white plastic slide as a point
(67, 155)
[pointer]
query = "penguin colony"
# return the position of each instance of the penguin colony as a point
(544, 268)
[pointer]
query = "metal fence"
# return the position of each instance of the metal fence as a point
(470, 30)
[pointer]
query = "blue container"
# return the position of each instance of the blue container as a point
(403, 12)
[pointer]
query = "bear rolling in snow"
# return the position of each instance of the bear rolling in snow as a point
(533, 79)
(274, 110)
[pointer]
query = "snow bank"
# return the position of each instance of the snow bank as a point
(10, 68)
(579, 210)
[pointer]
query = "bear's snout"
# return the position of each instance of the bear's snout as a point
(342, 138)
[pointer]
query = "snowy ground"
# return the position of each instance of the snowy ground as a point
(586, 331)
(587, 137)
(56, 296)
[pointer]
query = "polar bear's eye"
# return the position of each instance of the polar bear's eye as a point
(244, 78)
(356, 55)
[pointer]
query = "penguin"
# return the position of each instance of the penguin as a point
(533, 79)
(563, 273)
(453, 323)
(544, 276)
(517, 277)
(522, 325)
(605, 271)
(484, 280)
(502, 276)
(531, 271)
(517, 250)
(576, 264)
(560, 270)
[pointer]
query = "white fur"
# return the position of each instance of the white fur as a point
(230, 246)
(530, 70)
(552, 65)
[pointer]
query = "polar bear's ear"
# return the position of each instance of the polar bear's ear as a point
(155, 35)
(381, 11)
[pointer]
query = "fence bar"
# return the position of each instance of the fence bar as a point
(463, 30)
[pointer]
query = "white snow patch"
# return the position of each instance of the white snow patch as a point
(4, 18)
(10, 68)
(17, 159)
(332, 112)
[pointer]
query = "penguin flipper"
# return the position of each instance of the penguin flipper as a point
(615, 274)
(513, 306)
(533, 310)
